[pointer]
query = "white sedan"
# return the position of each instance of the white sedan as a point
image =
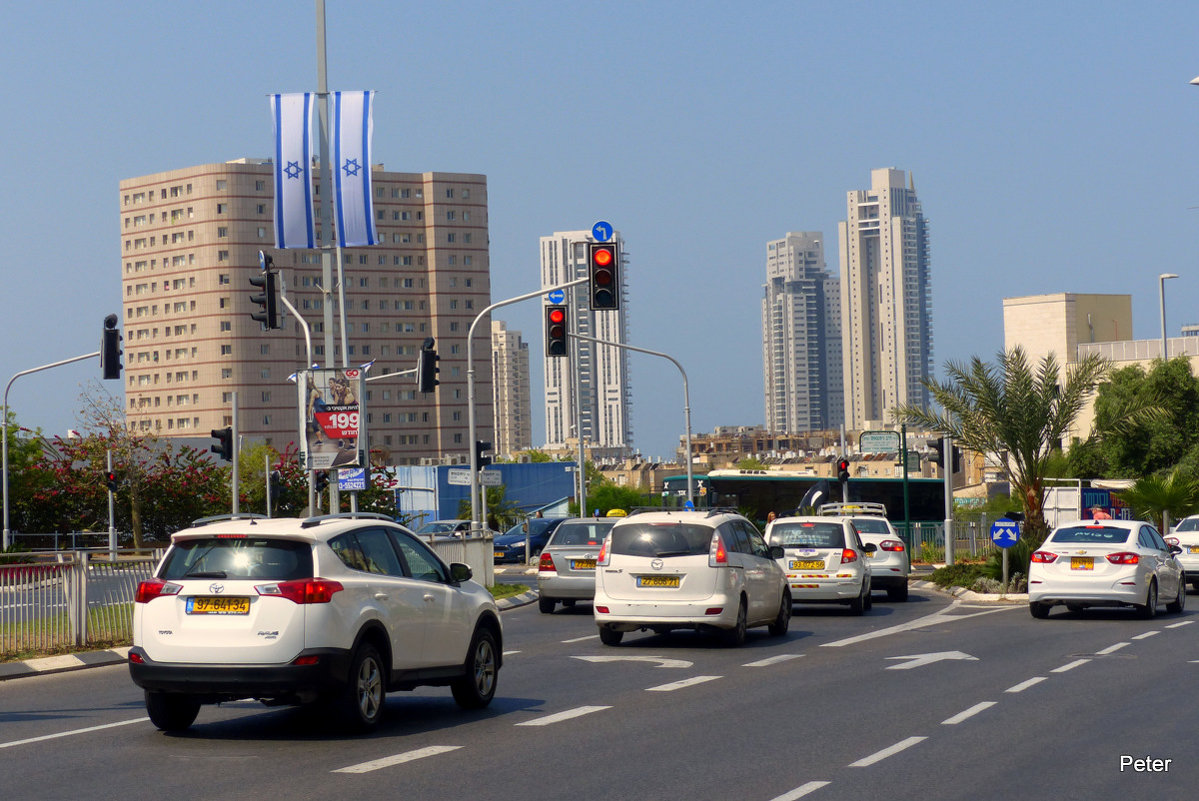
(1105, 563)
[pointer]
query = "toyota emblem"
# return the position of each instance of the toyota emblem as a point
(216, 588)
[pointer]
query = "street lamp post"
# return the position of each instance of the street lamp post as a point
(1161, 294)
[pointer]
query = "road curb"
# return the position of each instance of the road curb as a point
(63, 663)
(964, 594)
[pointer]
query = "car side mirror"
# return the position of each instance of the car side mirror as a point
(460, 572)
(776, 552)
(869, 547)
(1175, 550)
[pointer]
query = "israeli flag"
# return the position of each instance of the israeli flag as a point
(352, 130)
(294, 223)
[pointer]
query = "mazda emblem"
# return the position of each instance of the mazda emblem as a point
(656, 564)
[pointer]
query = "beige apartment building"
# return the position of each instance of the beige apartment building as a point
(1060, 322)
(189, 244)
(511, 393)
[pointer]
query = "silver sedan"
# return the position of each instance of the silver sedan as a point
(566, 572)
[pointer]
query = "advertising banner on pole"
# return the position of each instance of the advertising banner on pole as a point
(331, 417)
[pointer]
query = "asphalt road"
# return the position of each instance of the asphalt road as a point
(929, 699)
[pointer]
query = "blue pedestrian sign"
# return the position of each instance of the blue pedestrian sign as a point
(556, 297)
(601, 231)
(1005, 533)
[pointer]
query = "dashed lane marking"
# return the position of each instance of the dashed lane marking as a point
(679, 685)
(773, 660)
(582, 639)
(1070, 666)
(1024, 685)
(397, 759)
(965, 714)
(1180, 625)
(879, 756)
(1111, 649)
(558, 717)
(1147, 635)
(799, 792)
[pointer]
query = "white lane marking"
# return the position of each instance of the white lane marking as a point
(1146, 635)
(678, 685)
(1111, 649)
(773, 660)
(581, 639)
(1179, 625)
(799, 792)
(968, 713)
(397, 759)
(1070, 666)
(879, 756)
(1024, 685)
(558, 717)
(918, 660)
(661, 661)
(510, 653)
(72, 731)
(927, 620)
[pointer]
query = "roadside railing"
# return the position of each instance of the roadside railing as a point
(971, 539)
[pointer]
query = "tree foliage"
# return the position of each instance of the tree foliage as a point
(1154, 495)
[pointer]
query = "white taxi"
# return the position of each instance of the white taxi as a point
(889, 568)
(824, 559)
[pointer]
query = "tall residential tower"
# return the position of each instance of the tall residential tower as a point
(511, 395)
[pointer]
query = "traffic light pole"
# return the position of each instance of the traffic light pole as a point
(686, 400)
(7, 539)
(470, 388)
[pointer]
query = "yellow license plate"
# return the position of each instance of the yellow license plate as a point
(1195, 549)
(582, 564)
(499, 554)
(807, 564)
(1082, 563)
(657, 581)
(218, 606)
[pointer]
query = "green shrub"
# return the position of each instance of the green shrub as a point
(963, 574)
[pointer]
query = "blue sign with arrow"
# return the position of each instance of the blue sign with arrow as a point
(601, 231)
(1005, 533)
(556, 296)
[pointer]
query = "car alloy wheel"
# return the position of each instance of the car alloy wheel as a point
(362, 705)
(783, 621)
(1149, 610)
(476, 687)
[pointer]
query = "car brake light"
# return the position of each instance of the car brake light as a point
(848, 555)
(1124, 558)
(717, 555)
(546, 563)
(155, 588)
(1043, 557)
(605, 551)
(891, 545)
(302, 591)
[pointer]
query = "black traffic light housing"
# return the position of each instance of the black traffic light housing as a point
(555, 331)
(110, 348)
(321, 480)
(935, 456)
(481, 449)
(110, 480)
(843, 470)
(426, 366)
(224, 443)
(274, 487)
(268, 309)
(603, 270)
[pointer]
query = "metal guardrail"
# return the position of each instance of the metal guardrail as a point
(971, 539)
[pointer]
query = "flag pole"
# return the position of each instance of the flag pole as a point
(327, 238)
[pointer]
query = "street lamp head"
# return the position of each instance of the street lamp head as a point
(1164, 276)
(1195, 81)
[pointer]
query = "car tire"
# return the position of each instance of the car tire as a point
(546, 605)
(783, 620)
(869, 600)
(171, 711)
(1148, 610)
(735, 637)
(1178, 604)
(1038, 610)
(610, 636)
(858, 605)
(360, 702)
(480, 674)
(897, 593)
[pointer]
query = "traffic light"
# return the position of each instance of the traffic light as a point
(603, 269)
(935, 456)
(321, 481)
(268, 313)
(482, 448)
(224, 443)
(957, 459)
(274, 487)
(555, 331)
(110, 348)
(426, 367)
(843, 470)
(110, 479)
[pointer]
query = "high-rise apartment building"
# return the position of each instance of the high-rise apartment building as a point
(602, 371)
(801, 337)
(511, 395)
(190, 242)
(886, 300)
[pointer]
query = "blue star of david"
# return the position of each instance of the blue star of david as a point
(293, 169)
(351, 167)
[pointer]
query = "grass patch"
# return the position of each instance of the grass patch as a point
(500, 591)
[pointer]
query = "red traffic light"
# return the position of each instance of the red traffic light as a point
(603, 261)
(603, 257)
(843, 465)
(555, 331)
(557, 316)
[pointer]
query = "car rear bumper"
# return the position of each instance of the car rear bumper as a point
(558, 586)
(628, 616)
(1092, 594)
(220, 682)
(806, 589)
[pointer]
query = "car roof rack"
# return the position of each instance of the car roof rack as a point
(853, 508)
(203, 521)
(316, 520)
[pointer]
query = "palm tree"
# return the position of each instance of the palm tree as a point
(1153, 497)
(1012, 410)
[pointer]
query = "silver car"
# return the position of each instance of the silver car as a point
(566, 572)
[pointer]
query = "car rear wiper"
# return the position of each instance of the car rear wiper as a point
(660, 554)
(208, 574)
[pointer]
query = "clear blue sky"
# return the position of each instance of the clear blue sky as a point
(1053, 147)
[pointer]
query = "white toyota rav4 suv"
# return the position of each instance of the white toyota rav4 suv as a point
(337, 609)
(699, 570)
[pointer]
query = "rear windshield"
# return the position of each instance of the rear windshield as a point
(808, 535)
(589, 533)
(238, 558)
(661, 539)
(871, 525)
(1190, 524)
(1099, 535)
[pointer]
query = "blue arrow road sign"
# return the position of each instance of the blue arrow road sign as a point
(601, 231)
(556, 296)
(1005, 533)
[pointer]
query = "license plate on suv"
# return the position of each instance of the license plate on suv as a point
(201, 605)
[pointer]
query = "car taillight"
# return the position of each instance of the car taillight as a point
(605, 553)
(891, 545)
(155, 588)
(1043, 557)
(302, 591)
(1124, 558)
(546, 563)
(848, 555)
(717, 555)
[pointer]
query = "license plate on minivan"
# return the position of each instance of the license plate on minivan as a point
(200, 605)
(657, 581)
